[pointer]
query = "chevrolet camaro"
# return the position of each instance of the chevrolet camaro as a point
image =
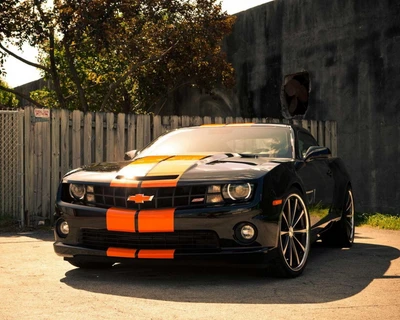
(259, 193)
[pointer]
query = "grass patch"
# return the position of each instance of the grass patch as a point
(378, 220)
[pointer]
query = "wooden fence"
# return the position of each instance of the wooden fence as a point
(55, 141)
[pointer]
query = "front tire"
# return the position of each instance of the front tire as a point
(294, 237)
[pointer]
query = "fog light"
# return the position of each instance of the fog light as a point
(63, 228)
(245, 233)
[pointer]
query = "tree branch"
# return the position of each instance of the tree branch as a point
(54, 73)
(32, 64)
(131, 69)
(23, 96)
(75, 77)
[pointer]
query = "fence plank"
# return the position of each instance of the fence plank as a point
(46, 165)
(140, 132)
(131, 139)
(185, 121)
(76, 139)
(29, 163)
(87, 138)
(55, 159)
(38, 173)
(120, 139)
(99, 135)
(207, 120)
(174, 122)
(110, 156)
(146, 130)
(157, 126)
(65, 147)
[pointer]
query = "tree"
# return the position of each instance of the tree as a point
(7, 98)
(124, 55)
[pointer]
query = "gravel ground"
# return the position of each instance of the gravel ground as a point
(360, 283)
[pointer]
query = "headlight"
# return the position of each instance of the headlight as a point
(237, 191)
(77, 191)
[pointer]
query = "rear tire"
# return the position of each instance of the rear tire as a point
(341, 234)
(294, 237)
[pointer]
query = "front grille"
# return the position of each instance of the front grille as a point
(162, 197)
(103, 239)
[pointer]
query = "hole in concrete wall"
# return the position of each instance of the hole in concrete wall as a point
(294, 94)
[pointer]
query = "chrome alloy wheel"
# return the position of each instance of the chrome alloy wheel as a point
(348, 216)
(294, 233)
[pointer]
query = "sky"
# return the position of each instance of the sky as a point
(19, 73)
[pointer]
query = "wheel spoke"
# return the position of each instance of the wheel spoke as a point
(349, 204)
(289, 217)
(297, 221)
(286, 246)
(301, 231)
(300, 244)
(294, 212)
(295, 252)
(285, 218)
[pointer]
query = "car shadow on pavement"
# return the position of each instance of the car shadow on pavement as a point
(331, 274)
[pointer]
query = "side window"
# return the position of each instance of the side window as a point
(305, 141)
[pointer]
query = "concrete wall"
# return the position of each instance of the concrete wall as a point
(351, 50)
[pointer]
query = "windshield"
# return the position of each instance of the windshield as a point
(261, 141)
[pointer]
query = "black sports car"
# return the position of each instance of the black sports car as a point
(256, 192)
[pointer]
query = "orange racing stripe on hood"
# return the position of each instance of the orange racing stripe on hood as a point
(137, 168)
(155, 166)
(176, 165)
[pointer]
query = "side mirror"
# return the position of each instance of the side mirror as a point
(317, 152)
(129, 155)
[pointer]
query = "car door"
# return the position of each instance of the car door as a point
(317, 178)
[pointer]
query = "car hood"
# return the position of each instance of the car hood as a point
(153, 171)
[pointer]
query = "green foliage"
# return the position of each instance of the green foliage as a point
(6, 98)
(121, 56)
(380, 220)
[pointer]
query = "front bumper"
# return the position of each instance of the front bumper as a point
(119, 245)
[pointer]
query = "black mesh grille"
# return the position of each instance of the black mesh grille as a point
(102, 239)
(162, 197)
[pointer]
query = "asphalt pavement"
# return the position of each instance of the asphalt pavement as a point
(358, 283)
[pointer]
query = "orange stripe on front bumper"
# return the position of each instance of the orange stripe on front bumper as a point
(121, 252)
(141, 254)
(156, 254)
(120, 220)
(161, 220)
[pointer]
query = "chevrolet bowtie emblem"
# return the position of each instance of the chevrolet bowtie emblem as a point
(140, 198)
